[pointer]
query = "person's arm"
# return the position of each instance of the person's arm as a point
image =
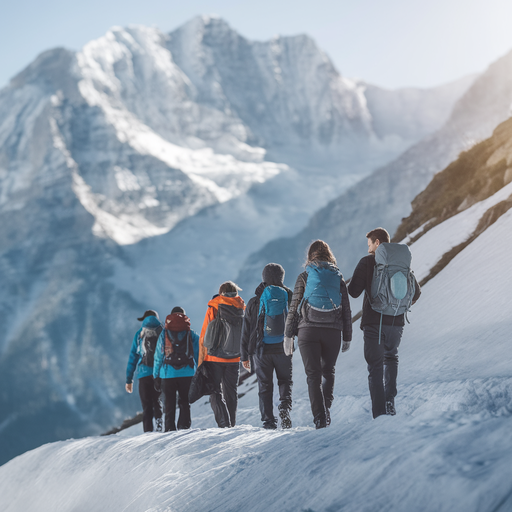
(292, 320)
(132, 362)
(417, 291)
(210, 315)
(247, 329)
(346, 313)
(357, 284)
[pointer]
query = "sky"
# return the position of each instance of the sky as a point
(392, 43)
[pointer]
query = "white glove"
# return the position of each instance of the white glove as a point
(345, 346)
(288, 346)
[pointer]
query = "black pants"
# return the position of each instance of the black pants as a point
(170, 387)
(224, 399)
(319, 348)
(151, 407)
(382, 359)
(265, 365)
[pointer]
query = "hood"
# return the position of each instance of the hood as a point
(151, 322)
(273, 273)
(237, 301)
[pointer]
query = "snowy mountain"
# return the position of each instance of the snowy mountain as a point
(447, 449)
(383, 198)
(141, 172)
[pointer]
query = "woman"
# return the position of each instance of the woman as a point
(219, 346)
(175, 363)
(319, 314)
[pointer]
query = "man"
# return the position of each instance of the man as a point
(266, 352)
(382, 333)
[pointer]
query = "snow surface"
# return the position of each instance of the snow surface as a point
(448, 448)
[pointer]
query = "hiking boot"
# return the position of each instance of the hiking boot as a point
(320, 424)
(269, 425)
(286, 422)
(390, 408)
(327, 417)
(159, 426)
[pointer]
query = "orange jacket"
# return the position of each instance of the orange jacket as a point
(211, 313)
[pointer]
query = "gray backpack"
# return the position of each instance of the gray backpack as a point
(393, 280)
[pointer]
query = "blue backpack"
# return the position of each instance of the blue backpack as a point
(321, 303)
(274, 309)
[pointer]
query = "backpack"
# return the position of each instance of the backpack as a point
(224, 332)
(273, 311)
(178, 352)
(148, 338)
(321, 303)
(393, 285)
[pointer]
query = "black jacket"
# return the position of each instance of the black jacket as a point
(252, 332)
(362, 281)
(295, 320)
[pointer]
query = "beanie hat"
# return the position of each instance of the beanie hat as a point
(177, 309)
(273, 274)
(147, 313)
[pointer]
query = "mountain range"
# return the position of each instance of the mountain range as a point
(142, 171)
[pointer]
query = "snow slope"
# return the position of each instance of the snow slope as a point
(447, 449)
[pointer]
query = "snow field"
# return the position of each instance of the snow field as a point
(448, 448)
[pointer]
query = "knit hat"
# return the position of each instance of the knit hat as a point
(147, 313)
(178, 309)
(273, 274)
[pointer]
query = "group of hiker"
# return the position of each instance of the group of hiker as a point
(171, 358)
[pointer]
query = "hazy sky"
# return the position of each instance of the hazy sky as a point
(391, 43)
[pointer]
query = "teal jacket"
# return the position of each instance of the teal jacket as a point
(135, 356)
(166, 371)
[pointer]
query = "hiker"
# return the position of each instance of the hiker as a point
(141, 359)
(262, 338)
(382, 323)
(319, 316)
(175, 364)
(219, 348)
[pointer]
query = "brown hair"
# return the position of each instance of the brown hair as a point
(228, 287)
(379, 234)
(319, 251)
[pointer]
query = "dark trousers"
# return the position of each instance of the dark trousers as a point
(319, 348)
(265, 365)
(170, 387)
(382, 359)
(151, 407)
(224, 399)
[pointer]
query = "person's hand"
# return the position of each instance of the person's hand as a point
(288, 346)
(157, 382)
(345, 346)
(247, 365)
(129, 387)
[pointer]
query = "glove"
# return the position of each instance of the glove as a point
(345, 346)
(157, 382)
(288, 346)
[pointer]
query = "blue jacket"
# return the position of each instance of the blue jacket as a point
(166, 371)
(134, 359)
